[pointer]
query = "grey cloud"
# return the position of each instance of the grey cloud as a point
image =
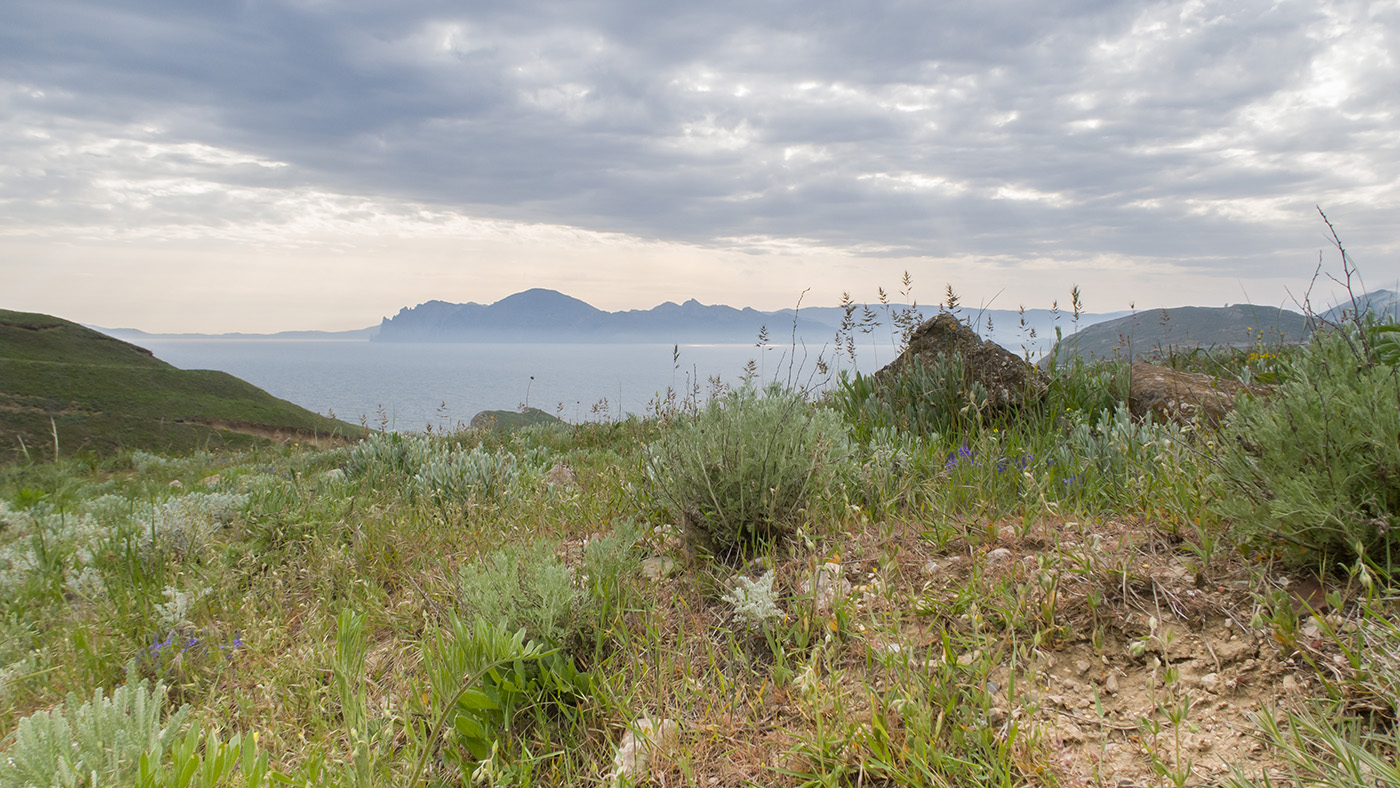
(592, 113)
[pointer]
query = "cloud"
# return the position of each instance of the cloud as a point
(1194, 135)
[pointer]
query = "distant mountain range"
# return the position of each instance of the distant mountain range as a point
(541, 315)
(1384, 304)
(548, 316)
(136, 334)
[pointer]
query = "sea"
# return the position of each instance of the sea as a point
(414, 386)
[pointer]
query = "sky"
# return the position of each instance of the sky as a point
(306, 164)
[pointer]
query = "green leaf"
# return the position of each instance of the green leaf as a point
(467, 727)
(476, 699)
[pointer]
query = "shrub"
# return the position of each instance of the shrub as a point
(1117, 456)
(99, 742)
(443, 473)
(742, 470)
(1316, 467)
(484, 679)
(477, 474)
(525, 588)
(922, 399)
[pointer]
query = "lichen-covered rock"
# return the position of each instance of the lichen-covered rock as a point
(1009, 380)
(1168, 394)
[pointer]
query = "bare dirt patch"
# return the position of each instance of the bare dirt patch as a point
(320, 440)
(1156, 669)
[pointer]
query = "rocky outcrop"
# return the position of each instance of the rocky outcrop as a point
(1168, 394)
(1009, 380)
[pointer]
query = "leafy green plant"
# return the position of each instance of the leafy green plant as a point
(1385, 342)
(482, 678)
(202, 759)
(609, 566)
(349, 669)
(446, 473)
(90, 743)
(1314, 470)
(741, 471)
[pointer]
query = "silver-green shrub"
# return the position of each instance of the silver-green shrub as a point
(442, 472)
(184, 525)
(1313, 471)
(743, 469)
(520, 587)
(86, 744)
(478, 475)
(1117, 452)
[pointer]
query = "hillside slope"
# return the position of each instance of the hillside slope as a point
(1183, 329)
(102, 394)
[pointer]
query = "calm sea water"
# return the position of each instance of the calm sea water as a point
(411, 386)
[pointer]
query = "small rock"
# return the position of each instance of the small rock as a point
(969, 657)
(210, 481)
(176, 485)
(658, 567)
(560, 475)
(930, 567)
(1082, 666)
(644, 740)
(1110, 684)
(999, 556)
(1210, 682)
(1234, 650)
(1291, 685)
(1310, 630)
(888, 649)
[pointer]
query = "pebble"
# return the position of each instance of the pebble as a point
(658, 567)
(1001, 555)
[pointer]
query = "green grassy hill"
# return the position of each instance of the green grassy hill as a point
(1155, 334)
(103, 394)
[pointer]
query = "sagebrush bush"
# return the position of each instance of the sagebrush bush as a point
(519, 587)
(1314, 469)
(443, 472)
(477, 474)
(97, 742)
(743, 468)
(1118, 455)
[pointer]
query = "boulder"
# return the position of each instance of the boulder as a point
(1168, 394)
(1010, 381)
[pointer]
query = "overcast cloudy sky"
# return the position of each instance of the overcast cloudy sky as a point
(280, 164)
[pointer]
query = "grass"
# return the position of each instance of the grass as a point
(66, 384)
(1050, 599)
